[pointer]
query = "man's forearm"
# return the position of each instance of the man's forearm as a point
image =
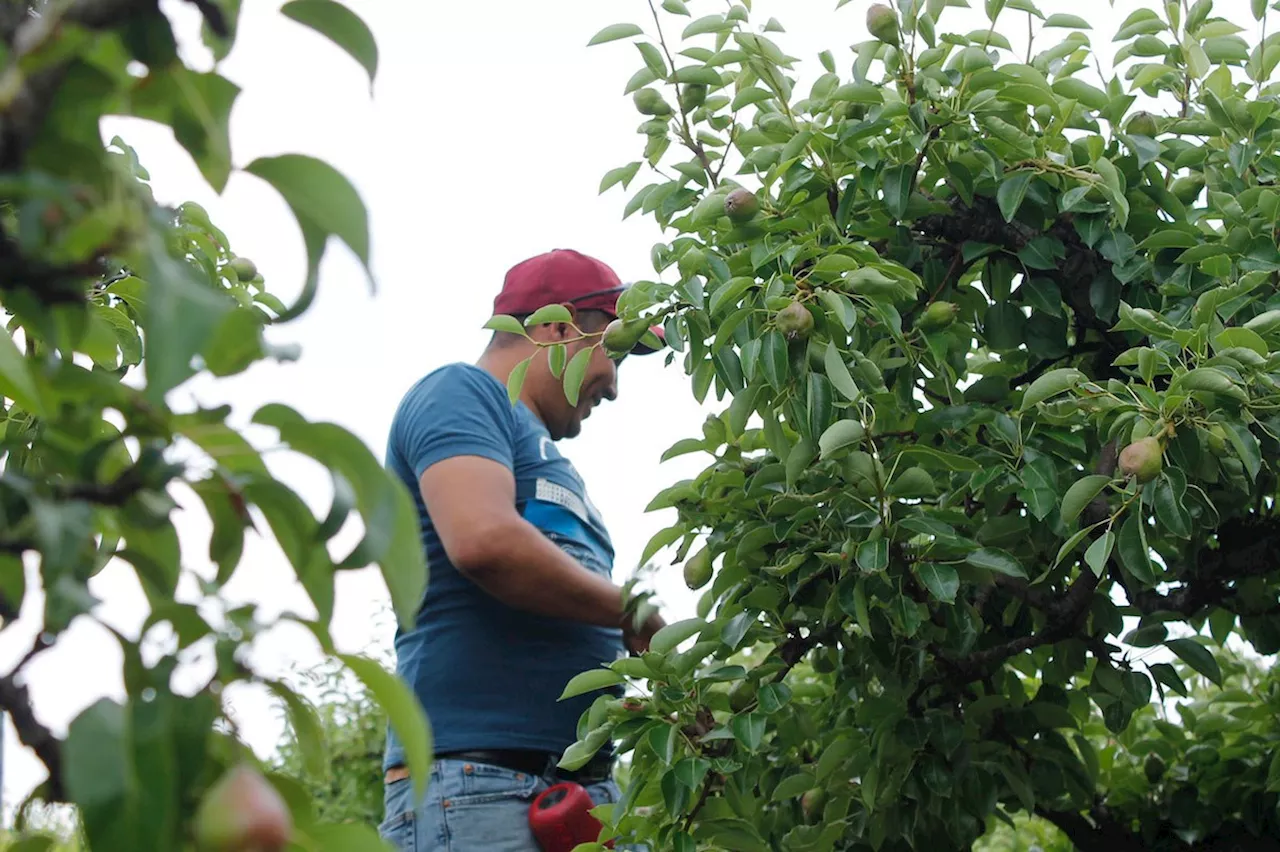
(522, 568)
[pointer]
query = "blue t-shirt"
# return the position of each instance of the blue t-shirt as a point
(488, 675)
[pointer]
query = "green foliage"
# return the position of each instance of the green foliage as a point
(928, 506)
(112, 302)
(347, 786)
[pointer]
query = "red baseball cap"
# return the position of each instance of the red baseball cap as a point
(563, 277)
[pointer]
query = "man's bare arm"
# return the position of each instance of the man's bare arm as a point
(471, 501)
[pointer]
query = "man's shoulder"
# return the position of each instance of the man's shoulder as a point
(448, 383)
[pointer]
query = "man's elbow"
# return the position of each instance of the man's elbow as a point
(482, 552)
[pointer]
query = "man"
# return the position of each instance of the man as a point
(520, 598)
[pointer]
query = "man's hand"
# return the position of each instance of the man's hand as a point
(637, 639)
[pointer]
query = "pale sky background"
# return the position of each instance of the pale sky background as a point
(484, 141)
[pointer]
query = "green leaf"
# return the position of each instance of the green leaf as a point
(1246, 446)
(896, 183)
(325, 204)
(858, 93)
(662, 739)
(16, 381)
(691, 771)
(773, 697)
(306, 728)
(704, 25)
(404, 713)
(98, 774)
(548, 314)
(180, 314)
(1135, 555)
(515, 379)
(676, 7)
(1068, 21)
(1099, 552)
(621, 175)
(341, 26)
(392, 536)
(1079, 90)
(995, 559)
(590, 681)
(197, 106)
(614, 32)
(1197, 656)
(840, 434)
(662, 539)
(773, 360)
(749, 730)
(838, 373)
(1051, 384)
(1209, 380)
(671, 635)
(873, 556)
(929, 457)
(1011, 192)
(750, 95)
(1243, 338)
(556, 356)
(575, 373)
(510, 325)
(942, 581)
(1081, 494)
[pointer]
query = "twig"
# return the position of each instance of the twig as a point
(16, 701)
(1039, 369)
(692, 143)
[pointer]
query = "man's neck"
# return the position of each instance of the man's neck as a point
(500, 361)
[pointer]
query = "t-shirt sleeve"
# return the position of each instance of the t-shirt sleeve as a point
(455, 413)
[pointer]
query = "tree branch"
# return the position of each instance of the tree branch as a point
(1245, 548)
(16, 701)
(1064, 613)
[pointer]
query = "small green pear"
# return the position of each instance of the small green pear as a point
(794, 320)
(1143, 459)
(651, 102)
(741, 206)
(883, 23)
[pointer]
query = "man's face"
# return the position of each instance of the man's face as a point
(599, 383)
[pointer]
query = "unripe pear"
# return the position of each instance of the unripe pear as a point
(1187, 188)
(620, 336)
(1142, 124)
(811, 803)
(883, 23)
(938, 316)
(693, 96)
(244, 268)
(243, 812)
(1142, 460)
(697, 571)
(794, 320)
(740, 206)
(651, 102)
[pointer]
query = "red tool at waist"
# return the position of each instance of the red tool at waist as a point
(560, 818)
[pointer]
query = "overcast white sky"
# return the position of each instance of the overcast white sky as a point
(484, 142)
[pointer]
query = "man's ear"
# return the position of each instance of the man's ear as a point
(566, 330)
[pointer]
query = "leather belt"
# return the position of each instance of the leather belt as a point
(541, 764)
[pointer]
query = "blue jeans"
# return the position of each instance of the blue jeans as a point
(470, 807)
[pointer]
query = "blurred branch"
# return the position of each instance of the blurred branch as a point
(16, 701)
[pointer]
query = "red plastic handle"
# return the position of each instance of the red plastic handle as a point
(560, 818)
